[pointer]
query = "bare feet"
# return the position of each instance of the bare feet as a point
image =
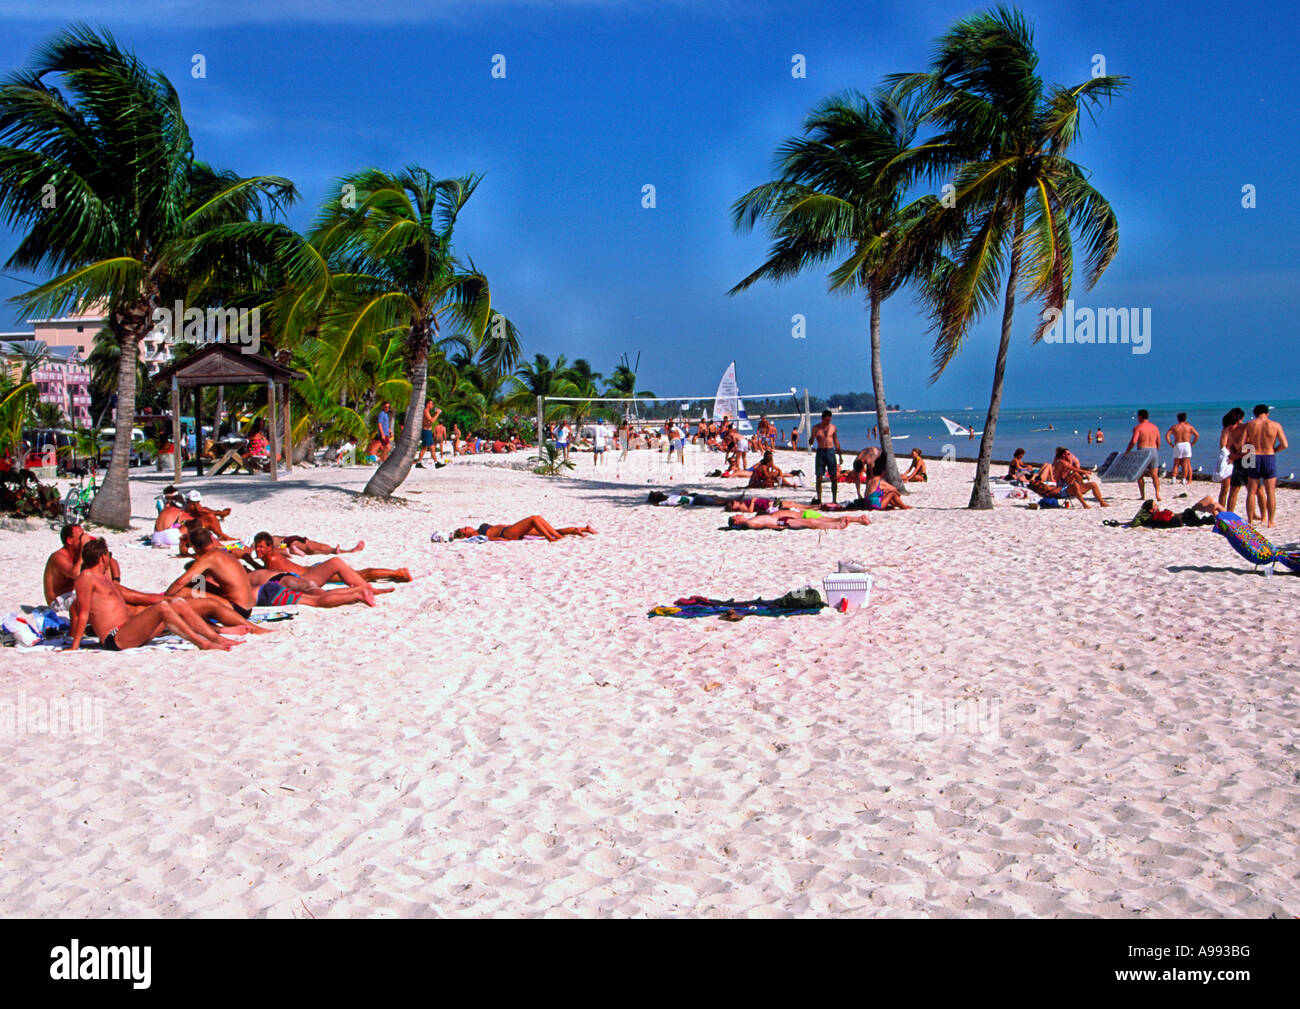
(403, 575)
(361, 545)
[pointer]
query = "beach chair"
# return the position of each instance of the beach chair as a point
(1252, 545)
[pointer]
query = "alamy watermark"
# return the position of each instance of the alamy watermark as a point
(938, 716)
(1130, 326)
(241, 327)
(77, 715)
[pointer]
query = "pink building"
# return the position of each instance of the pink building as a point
(64, 380)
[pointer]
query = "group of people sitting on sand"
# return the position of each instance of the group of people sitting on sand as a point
(1062, 480)
(212, 601)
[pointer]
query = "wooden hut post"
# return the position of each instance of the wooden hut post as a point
(176, 430)
(275, 435)
(288, 432)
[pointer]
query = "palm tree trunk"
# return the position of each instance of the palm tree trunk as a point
(112, 504)
(980, 496)
(878, 390)
(393, 471)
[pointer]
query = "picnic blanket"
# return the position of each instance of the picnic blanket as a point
(800, 602)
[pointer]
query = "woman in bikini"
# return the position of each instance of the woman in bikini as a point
(916, 474)
(534, 525)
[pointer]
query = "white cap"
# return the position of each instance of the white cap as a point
(194, 496)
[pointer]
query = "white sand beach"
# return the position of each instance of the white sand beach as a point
(511, 735)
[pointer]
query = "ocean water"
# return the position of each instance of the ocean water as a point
(1028, 429)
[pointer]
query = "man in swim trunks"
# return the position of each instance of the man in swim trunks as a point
(426, 433)
(826, 439)
(64, 565)
(1182, 436)
(1147, 435)
(1263, 439)
(334, 569)
(106, 607)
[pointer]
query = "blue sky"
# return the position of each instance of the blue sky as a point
(601, 98)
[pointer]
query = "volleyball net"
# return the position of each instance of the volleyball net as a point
(647, 416)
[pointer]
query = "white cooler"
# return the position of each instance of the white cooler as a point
(856, 588)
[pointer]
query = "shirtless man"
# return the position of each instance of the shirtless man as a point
(179, 509)
(1147, 435)
(426, 433)
(104, 605)
(225, 577)
(64, 565)
(1264, 438)
(334, 569)
(1182, 436)
(864, 467)
(826, 439)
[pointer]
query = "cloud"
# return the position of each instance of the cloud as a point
(206, 13)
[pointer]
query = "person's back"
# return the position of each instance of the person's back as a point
(1145, 435)
(1262, 434)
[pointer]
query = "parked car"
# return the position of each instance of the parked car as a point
(106, 436)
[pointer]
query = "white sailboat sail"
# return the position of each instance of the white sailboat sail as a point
(727, 401)
(956, 429)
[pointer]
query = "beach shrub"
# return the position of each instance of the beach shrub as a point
(22, 494)
(550, 462)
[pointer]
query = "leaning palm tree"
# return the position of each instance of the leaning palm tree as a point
(97, 167)
(1018, 200)
(840, 197)
(387, 245)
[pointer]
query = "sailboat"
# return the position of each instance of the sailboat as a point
(956, 429)
(727, 402)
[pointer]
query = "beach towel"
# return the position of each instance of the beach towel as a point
(1252, 544)
(797, 603)
(162, 643)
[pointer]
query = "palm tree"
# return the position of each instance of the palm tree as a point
(1018, 199)
(392, 269)
(840, 195)
(541, 377)
(111, 147)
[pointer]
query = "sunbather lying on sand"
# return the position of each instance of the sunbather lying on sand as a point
(760, 505)
(333, 570)
(124, 618)
(790, 518)
(292, 544)
(534, 525)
